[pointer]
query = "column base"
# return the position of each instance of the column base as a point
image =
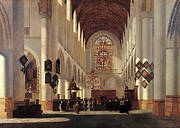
(6, 107)
(139, 104)
(46, 105)
(146, 104)
(158, 107)
(172, 106)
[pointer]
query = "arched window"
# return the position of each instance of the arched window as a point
(103, 53)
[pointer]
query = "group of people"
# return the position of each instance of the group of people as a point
(77, 105)
(123, 105)
(85, 105)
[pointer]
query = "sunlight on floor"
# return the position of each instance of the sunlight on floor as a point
(33, 120)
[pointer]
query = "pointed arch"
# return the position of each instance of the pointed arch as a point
(62, 62)
(32, 65)
(68, 69)
(82, 77)
(74, 72)
(4, 21)
(174, 20)
(78, 76)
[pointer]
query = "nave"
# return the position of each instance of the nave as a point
(57, 53)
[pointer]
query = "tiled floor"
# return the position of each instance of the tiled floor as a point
(98, 119)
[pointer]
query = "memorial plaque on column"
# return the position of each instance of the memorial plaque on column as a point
(58, 66)
(53, 84)
(48, 65)
(47, 78)
(23, 60)
(55, 78)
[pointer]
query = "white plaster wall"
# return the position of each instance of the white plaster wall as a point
(62, 24)
(35, 45)
(115, 85)
(32, 17)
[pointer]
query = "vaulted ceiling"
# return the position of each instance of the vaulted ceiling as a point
(96, 15)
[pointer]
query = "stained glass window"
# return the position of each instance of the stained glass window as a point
(103, 53)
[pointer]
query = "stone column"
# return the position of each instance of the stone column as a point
(78, 92)
(45, 12)
(59, 87)
(130, 49)
(18, 50)
(3, 76)
(84, 88)
(159, 57)
(172, 101)
(62, 96)
(125, 62)
(88, 92)
(84, 92)
(147, 102)
(127, 53)
(6, 84)
(53, 43)
(123, 54)
(67, 94)
(132, 69)
(81, 92)
(138, 45)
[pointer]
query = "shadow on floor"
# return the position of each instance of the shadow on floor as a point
(143, 120)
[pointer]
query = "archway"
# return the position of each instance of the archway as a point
(5, 35)
(32, 77)
(61, 82)
(110, 83)
(82, 77)
(62, 62)
(68, 69)
(174, 27)
(68, 78)
(74, 73)
(78, 80)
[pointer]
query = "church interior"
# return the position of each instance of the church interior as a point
(55, 52)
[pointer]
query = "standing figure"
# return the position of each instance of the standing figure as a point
(88, 105)
(128, 105)
(121, 105)
(93, 105)
(67, 105)
(110, 105)
(77, 107)
(116, 102)
(84, 105)
(60, 106)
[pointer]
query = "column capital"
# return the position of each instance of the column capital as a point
(45, 8)
(146, 14)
